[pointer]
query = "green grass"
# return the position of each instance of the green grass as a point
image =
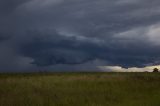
(80, 89)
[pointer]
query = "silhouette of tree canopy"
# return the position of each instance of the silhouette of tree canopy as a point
(155, 70)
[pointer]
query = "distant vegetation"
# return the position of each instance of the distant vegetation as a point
(155, 70)
(80, 89)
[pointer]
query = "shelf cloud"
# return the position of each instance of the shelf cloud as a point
(78, 34)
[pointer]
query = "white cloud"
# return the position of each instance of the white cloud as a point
(133, 69)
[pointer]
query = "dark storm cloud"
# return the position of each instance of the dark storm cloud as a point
(44, 33)
(8, 6)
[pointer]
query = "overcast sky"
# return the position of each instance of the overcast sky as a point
(61, 35)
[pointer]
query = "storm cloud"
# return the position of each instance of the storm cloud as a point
(78, 34)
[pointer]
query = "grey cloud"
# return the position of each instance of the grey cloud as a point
(42, 33)
(8, 6)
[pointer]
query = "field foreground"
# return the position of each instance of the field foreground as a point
(80, 89)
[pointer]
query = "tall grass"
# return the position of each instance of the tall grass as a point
(80, 89)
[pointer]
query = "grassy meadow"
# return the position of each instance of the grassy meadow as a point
(80, 89)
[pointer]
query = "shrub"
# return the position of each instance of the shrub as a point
(155, 70)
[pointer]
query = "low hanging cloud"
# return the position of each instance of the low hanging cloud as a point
(132, 69)
(38, 34)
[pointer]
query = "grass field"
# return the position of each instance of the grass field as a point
(80, 89)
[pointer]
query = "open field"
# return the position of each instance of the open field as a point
(80, 89)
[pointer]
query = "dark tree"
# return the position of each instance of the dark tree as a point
(155, 70)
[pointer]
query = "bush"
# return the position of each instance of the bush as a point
(155, 70)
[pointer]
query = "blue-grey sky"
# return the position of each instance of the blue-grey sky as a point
(78, 34)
